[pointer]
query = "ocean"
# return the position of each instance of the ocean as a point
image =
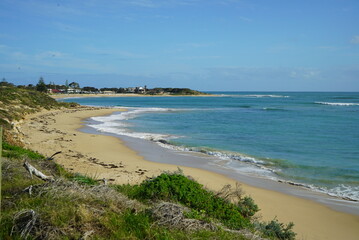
(305, 138)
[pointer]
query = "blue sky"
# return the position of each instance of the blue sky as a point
(229, 45)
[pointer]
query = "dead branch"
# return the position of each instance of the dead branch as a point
(32, 170)
(24, 222)
(53, 155)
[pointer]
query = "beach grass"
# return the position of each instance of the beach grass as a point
(74, 206)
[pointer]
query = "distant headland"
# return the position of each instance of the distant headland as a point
(74, 88)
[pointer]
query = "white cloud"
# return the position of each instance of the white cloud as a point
(355, 40)
(311, 74)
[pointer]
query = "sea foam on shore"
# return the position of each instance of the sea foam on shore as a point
(307, 139)
(118, 124)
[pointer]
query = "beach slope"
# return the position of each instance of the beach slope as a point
(101, 156)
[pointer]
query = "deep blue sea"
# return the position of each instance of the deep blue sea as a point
(308, 138)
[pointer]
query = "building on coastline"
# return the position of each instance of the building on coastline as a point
(140, 90)
(108, 92)
(73, 90)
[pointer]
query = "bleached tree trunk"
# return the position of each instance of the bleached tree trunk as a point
(32, 170)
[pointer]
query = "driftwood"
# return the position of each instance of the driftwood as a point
(24, 222)
(32, 170)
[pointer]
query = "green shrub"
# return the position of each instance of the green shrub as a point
(247, 206)
(275, 229)
(178, 188)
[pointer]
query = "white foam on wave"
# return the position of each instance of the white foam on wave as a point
(338, 104)
(116, 124)
(251, 166)
(234, 161)
(130, 114)
(341, 191)
(254, 96)
(264, 96)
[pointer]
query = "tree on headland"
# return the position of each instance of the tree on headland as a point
(74, 85)
(5, 83)
(41, 86)
(52, 85)
(90, 89)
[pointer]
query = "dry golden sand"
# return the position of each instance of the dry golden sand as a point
(107, 157)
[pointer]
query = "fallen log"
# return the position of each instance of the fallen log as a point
(32, 170)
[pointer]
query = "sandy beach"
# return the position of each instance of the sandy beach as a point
(101, 156)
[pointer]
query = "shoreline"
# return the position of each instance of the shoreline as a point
(109, 157)
(153, 152)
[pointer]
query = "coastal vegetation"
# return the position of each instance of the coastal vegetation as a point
(74, 87)
(17, 102)
(170, 206)
(73, 206)
(174, 91)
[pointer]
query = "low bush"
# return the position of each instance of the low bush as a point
(74, 206)
(247, 206)
(277, 230)
(178, 188)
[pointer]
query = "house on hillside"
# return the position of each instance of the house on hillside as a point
(130, 90)
(54, 91)
(73, 90)
(140, 90)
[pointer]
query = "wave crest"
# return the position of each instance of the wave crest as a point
(337, 103)
(260, 96)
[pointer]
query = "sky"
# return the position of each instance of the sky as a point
(208, 45)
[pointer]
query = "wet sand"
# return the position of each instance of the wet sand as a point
(101, 156)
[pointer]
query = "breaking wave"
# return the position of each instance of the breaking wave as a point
(260, 96)
(338, 104)
(117, 124)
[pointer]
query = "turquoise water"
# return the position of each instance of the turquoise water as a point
(307, 138)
